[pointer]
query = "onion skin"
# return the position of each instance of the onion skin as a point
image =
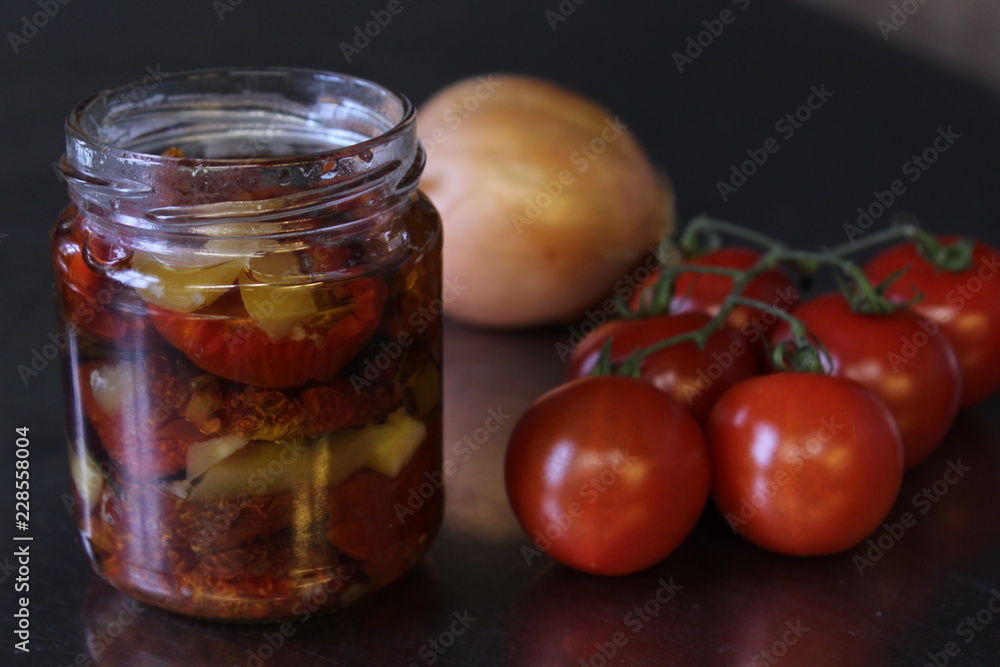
(547, 200)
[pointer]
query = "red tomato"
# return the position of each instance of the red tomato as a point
(706, 292)
(692, 377)
(607, 474)
(223, 339)
(803, 463)
(89, 298)
(910, 366)
(965, 303)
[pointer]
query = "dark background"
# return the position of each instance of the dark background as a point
(886, 106)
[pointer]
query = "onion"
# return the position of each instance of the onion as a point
(547, 199)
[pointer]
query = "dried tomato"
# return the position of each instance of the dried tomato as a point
(363, 524)
(267, 414)
(147, 437)
(89, 298)
(223, 339)
(225, 523)
(376, 520)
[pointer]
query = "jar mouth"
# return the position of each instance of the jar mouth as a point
(276, 149)
(310, 105)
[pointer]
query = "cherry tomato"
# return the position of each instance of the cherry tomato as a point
(706, 292)
(907, 363)
(803, 463)
(223, 339)
(965, 303)
(607, 474)
(692, 377)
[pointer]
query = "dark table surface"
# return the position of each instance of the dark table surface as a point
(735, 605)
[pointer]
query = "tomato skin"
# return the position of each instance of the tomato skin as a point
(692, 377)
(969, 317)
(913, 371)
(223, 339)
(91, 300)
(609, 471)
(802, 463)
(705, 292)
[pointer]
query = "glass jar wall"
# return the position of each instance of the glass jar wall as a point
(247, 276)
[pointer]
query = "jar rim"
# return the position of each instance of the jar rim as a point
(318, 141)
(74, 126)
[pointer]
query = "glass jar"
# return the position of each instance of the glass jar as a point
(247, 278)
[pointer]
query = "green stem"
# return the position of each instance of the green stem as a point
(718, 270)
(700, 336)
(812, 354)
(798, 328)
(869, 295)
(896, 232)
(704, 223)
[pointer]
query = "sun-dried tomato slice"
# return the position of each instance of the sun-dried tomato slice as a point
(90, 299)
(268, 414)
(223, 524)
(363, 524)
(143, 538)
(223, 339)
(134, 406)
(385, 522)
